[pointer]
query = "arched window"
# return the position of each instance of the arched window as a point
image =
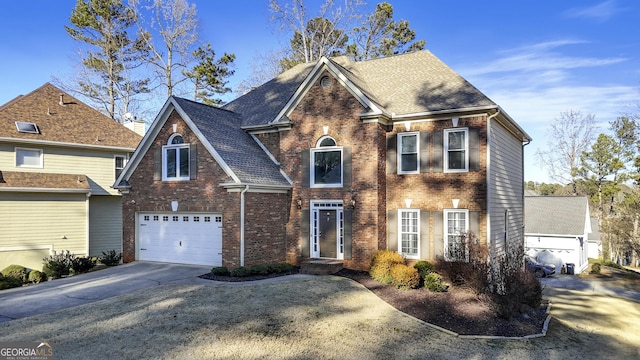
(175, 159)
(326, 163)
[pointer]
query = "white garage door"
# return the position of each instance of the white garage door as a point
(184, 238)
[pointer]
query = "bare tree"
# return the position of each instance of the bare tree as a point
(329, 26)
(175, 24)
(264, 67)
(568, 137)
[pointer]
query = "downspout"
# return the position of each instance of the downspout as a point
(242, 224)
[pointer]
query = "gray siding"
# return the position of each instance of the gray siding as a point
(505, 189)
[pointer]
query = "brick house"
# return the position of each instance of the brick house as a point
(335, 160)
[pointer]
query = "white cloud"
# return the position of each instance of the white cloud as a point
(599, 13)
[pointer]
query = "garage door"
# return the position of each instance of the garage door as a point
(184, 238)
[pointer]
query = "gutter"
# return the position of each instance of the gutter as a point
(242, 224)
(66, 144)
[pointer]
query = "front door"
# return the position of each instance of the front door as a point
(328, 233)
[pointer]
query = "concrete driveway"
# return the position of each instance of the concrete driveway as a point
(598, 286)
(64, 293)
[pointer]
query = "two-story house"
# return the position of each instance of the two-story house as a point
(58, 160)
(330, 160)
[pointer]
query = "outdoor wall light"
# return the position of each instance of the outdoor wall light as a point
(299, 203)
(352, 203)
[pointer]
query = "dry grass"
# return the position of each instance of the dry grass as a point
(307, 318)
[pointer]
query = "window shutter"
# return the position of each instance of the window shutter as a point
(424, 234)
(348, 218)
(474, 222)
(193, 161)
(157, 163)
(474, 149)
(304, 234)
(304, 166)
(392, 230)
(438, 234)
(346, 167)
(438, 155)
(392, 154)
(424, 152)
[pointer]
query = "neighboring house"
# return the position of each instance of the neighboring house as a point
(58, 160)
(556, 230)
(594, 248)
(332, 160)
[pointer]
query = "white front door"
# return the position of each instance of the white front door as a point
(185, 238)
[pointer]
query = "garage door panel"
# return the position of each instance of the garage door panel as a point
(181, 238)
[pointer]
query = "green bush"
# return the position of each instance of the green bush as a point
(280, 268)
(612, 264)
(111, 258)
(433, 282)
(220, 271)
(595, 268)
(259, 270)
(240, 272)
(424, 268)
(8, 282)
(404, 277)
(36, 277)
(57, 265)
(16, 271)
(381, 264)
(82, 264)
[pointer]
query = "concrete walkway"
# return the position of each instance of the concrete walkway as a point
(81, 289)
(598, 286)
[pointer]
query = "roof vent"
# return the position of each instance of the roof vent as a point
(27, 127)
(61, 99)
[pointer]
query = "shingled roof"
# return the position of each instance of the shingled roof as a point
(33, 181)
(411, 83)
(61, 118)
(556, 215)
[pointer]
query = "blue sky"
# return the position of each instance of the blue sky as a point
(535, 59)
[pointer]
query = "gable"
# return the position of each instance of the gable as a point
(61, 118)
(556, 215)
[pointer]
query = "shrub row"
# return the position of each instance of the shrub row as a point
(17, 275)
(389, 267)
(255, 270)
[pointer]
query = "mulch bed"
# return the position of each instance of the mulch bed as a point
(459, 309)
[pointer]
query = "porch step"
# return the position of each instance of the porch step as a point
(320, 267)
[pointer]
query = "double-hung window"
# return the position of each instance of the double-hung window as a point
(120, 161)
(326, 164)
(456, 224)
(409, 232)
(175, 159)
(456, 150)
(29, 158)
(408, 158)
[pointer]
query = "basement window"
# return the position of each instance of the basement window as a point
(27, 127)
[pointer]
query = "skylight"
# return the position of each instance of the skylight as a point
(27, 127)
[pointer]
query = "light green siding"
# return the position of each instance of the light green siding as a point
(97, 165)
(42, 220)
(105, 224)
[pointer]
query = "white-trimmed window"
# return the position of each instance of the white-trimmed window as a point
(409, 232)
(408, 153)
(29, 158)
(456, 150)
(119, 162)
(175, 159)
(456, 225)
(326, 163)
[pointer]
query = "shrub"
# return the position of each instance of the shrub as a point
(259, 270)
(82, 264)
(404, 277)
(240, 272)
(515, 287)
(8, 282)
(381, 264)
(433, 282)
(280, 268)
(36, 277)
(220, 271)
(612, 264)
(424, 268)
(595, 268)
(473, 271)
(57, 265)
(111, 258)
(16, 271)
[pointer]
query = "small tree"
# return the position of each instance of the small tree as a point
(209, 75)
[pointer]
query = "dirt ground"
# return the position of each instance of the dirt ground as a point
(309, 318)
